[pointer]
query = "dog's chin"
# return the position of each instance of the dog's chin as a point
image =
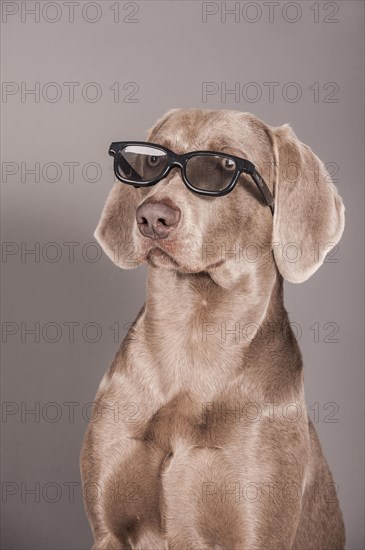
(220, 273)
(160, 258)
(157, 257)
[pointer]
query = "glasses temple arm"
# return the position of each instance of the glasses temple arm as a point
(263, 188)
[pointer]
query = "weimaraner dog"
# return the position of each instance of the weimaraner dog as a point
(200, 437)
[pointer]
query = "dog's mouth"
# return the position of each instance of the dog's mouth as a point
(158, 257)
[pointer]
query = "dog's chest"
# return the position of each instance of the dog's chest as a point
(185, 422)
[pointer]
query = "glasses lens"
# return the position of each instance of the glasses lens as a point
(140, 163)
(210, 173)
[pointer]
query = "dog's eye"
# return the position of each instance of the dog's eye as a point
(229, 164)
(153, 160)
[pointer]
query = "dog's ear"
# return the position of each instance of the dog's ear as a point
(309, 213)
(115, 230)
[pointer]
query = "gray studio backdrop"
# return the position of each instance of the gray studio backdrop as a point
(77, 75)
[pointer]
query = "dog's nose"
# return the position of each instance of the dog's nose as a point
(156, 220)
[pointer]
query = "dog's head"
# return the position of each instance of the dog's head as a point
(229, 235)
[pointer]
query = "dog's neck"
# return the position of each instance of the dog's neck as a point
(198, 332)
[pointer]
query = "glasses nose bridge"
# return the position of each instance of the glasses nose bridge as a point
(176, 162)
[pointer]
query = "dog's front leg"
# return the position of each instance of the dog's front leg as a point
(244, 495)
(122, 493)
(121, 483)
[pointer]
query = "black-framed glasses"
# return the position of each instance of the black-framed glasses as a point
(208, 173)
